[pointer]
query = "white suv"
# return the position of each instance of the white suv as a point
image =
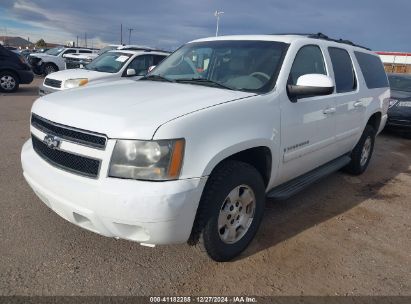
(53, 60)
(190, 152)
(110, 66)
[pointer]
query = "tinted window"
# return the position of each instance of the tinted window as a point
(372, 69)
(157, 59)
(309, 60)
(70, 52)
(343, 70)
(84, 52)
(141, 64)
(400, 82)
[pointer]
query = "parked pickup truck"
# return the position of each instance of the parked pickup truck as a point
(190, 152)
(110, 66)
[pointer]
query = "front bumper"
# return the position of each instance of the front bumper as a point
(399, 123)
(43, 90)
(146, 212)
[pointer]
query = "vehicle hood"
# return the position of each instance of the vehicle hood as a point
(78, 73)
(400, 94)
(129, 109)
(42, 55)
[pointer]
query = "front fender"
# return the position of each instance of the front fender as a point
(215, 133)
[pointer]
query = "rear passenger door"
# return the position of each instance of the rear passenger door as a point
(350, 107)
(308, 125)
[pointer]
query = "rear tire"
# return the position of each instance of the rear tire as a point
(9, 82)
(231, 210)
(362, 153)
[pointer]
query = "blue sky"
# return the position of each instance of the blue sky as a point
(381, 25)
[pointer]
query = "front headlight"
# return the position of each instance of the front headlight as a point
(74, 83)
(392, 102)
(147, 160)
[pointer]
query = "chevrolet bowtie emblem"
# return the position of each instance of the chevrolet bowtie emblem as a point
(52, 142)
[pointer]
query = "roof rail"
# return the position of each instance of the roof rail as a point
(145, 49)
(325, 37)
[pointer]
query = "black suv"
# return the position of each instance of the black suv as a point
(399, 113)
(13, 71)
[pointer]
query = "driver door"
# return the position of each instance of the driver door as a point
(307, 125)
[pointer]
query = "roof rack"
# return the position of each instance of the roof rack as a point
(325, 37)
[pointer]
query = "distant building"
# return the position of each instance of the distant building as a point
(16, 42)
(396, 62)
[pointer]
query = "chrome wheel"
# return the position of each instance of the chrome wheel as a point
(7, 82)
(366, 151)
(49, 69)
(236, 214)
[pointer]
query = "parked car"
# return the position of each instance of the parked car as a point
(110, 66)
(53, 60)
(399, 112)
(190, 152)
(77, 61)
(13, 71)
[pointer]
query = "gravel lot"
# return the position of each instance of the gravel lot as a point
(343, 236)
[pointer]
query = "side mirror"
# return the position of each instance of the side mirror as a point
(151, 68)
(131, 72)
(311, 85)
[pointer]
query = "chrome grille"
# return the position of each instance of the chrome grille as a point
(52, 83)
(77, 164)
(86, 138)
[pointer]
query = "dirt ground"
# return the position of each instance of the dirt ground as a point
(343, 236)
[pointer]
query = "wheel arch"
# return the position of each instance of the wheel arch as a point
(11, 71)
(375, 120)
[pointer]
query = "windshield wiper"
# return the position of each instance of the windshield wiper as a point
(156, 78)
(204, 81)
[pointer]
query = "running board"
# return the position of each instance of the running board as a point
(294, 186)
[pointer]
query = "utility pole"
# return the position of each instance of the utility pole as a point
(121, 33)
(217, 14)
(77, 41)
(129, 35)
(85, 38)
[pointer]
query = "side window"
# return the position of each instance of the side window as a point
(372, 70)
(85, 52)
(343, 70)
(309, 60)
(69, 52)
(141, 64)
(157, 59)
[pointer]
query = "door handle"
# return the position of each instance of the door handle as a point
(329, 111)
(358, 104)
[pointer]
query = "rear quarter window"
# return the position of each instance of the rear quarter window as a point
(372, 70)
(343, 70)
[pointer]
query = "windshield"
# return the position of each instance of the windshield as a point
(109, 62)
(250, 66)
(55, 51)
(400, 83)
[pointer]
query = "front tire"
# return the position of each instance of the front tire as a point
(231, 210)
(9, 82)
(362, 153)
(50, 68)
